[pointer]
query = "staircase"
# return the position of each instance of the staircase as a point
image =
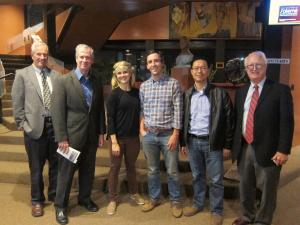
(14, 168)
(11, 63)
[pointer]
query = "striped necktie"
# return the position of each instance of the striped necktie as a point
(46, 91)
(250, 118)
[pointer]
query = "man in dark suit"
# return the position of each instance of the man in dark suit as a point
(31, 92)
(79, 122)
(262, 139)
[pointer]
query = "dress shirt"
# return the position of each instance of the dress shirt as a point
(161, 103)
(248, 100)
(200, 112)
(86, 86)
(39, 78)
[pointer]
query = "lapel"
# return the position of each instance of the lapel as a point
(266, 89)
(94, 86)
(32, 77)
(78, 88)
(244, 92)
(52, 76)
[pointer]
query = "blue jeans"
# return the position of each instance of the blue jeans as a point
(202, 158)
(153, 145)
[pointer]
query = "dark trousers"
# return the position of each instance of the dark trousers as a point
(38, 151)
(255, 176)
(86, 173)
(130, 148)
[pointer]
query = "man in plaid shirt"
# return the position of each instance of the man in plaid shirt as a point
(161, 120)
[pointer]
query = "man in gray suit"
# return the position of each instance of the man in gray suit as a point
(79, 122)
(31, 92)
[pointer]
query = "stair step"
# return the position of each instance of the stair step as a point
(6, 103)
(6, 96)
(17, 153)
(10, 137)
(12, 152)
(6, 112)
(18, 172)
(9, 122)
(8, 88)
(9, 82)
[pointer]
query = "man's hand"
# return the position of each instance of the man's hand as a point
(143, 131)
(173, 140)
(63, 146)
(100, 140)
(115, 149)
(280, 158)
(184, 151)
(226, 153)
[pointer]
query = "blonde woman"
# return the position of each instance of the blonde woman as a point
(123, 109)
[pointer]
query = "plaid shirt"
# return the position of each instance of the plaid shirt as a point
(161, 103)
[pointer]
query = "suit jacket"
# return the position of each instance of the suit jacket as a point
(28, 107)
(273, 122)
(73, 119)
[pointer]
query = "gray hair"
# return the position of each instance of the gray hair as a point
(259, 54)
(36, 45)
(83, 46)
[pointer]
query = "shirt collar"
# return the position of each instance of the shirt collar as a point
(161, 78)
(260, 84)
(79, 75)
(203, 91)
(37, 70)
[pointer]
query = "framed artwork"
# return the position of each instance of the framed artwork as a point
(225, 20)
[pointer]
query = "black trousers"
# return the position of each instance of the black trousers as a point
(38, 151)
(86, 173)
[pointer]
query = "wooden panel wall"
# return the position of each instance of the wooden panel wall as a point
(11, 23)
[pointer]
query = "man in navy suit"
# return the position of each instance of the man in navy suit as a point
(262, 139)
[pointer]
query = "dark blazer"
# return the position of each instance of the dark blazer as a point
(72, 118)
(221, 117)
(29, 110)
(273, 122)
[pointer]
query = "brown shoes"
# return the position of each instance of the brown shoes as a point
(190, 211)
(148, 206)
(37, 210)
(176, 209)
(216, 219)
(240, 221)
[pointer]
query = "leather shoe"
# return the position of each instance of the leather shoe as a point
(240, 221)
(89, 205)
(37, 210)
(61, 216)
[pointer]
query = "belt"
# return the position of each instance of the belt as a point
(48, 119)
(158, 130)
(200, 137)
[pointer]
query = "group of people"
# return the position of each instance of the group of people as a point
(57, 112)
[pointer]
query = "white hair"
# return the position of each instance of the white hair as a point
(259, 54)
(36, 45)
(83, 46)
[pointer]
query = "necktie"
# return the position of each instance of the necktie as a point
(46, 90)
(87, 90)
(250, 117)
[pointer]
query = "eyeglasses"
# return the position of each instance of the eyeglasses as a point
(255, 66)
(200, 68)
